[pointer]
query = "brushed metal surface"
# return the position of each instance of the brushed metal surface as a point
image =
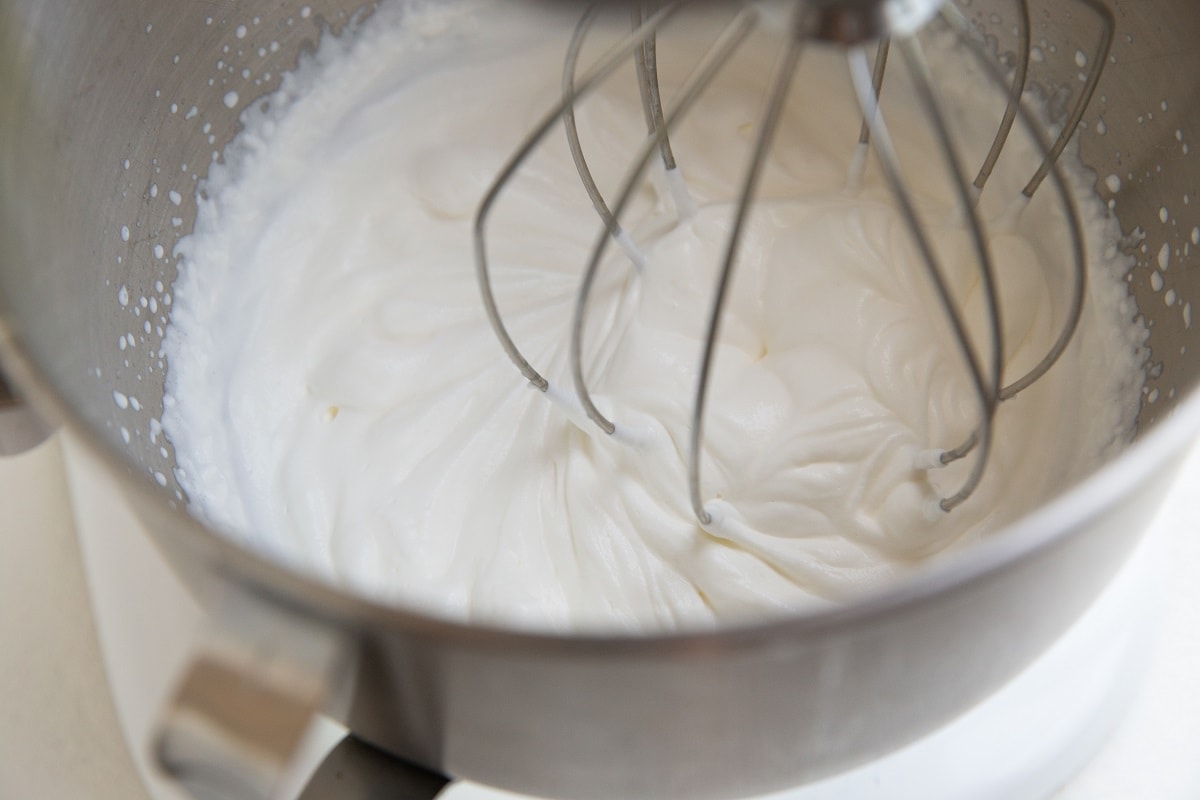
(97, 132)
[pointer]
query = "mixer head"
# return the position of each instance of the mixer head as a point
(852, 22)
(867, 31)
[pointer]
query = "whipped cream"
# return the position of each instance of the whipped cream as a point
(338, 401)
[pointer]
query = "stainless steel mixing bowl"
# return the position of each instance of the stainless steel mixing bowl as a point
(111, 113)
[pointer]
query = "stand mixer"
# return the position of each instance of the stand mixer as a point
(93, 153)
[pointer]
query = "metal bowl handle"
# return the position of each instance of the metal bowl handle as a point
(235, 725)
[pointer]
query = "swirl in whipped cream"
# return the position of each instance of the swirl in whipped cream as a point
(341, 404)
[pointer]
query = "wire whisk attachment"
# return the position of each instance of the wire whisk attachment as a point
(871, 34)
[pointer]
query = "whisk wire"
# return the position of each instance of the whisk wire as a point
(570, 64)
(1108, 26)
(1078, 288)
(646, 62)
(858, 161)
(602, 69)
(1074, 224)
(985, 385)
(712, 61)
(777, 93)
(1020, 74)
(877, 75)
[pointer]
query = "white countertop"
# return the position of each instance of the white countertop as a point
(58, 728)
(60, 737)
